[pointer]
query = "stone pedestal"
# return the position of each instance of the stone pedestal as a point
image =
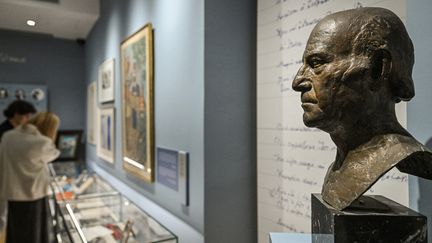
(370, 219)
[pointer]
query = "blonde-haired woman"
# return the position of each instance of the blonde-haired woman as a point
(24, 154)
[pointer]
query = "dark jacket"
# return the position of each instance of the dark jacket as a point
(4, 127)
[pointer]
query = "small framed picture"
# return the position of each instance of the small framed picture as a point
(38, 94)
(68, 143)
(4, 93)
(106, 137)
(106, 81)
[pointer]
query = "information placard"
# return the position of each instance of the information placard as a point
(173, 172)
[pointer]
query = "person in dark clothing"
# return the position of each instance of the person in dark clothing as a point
(17, 113)
(25, 152)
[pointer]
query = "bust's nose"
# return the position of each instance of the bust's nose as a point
(300, 82)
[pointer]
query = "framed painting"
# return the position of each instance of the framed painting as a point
(106, 81)
(106, 137)
(68, 142)
(136, 54)
(91, 113)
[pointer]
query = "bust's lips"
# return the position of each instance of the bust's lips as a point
(307, 99)
(307, 106)
(308, 102)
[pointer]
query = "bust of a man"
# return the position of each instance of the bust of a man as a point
(356, 66)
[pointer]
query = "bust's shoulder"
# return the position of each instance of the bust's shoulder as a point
(401, 145)
(399, 139)
(364, 165)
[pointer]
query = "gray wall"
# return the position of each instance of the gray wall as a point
(179, 89)
(230, 121)
(419, 109)
(54, 62)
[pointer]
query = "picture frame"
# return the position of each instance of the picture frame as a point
(136, 57)
(106, 81)
(68, 142)
(92, 111)
(105, 146)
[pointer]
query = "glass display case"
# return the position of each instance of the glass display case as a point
(88, 209)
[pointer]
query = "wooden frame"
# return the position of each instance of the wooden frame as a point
(105, 146)
(68, 142)
(136, 53)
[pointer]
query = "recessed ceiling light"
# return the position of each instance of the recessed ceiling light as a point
(31, 22)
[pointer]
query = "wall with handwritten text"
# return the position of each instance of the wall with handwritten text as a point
(293, 159)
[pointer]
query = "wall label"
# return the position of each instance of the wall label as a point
(173, 172)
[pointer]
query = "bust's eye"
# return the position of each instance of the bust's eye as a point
(316, 62)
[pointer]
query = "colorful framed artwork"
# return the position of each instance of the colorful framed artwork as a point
(106, 136)
(68, 142)
(106, 81)
(91, 113)
(136, 54)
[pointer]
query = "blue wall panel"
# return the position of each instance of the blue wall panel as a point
(56, 63)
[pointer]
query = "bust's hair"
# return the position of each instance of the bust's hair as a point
(47, 123)
(381, 29)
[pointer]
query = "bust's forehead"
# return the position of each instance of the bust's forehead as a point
(327, 35)
(344, 25)
(337, 32)
(324, 29)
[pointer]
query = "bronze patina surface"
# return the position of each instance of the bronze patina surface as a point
(356, 66)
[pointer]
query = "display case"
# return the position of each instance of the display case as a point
(94, 211)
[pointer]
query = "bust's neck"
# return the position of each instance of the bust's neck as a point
(367, 163)
(349, 137)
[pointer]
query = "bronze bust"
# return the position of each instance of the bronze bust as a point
(356, 66)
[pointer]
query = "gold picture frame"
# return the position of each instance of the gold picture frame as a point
(136, 54)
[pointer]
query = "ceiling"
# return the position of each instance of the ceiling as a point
(68, 19)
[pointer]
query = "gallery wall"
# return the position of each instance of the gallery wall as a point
(204, 104)
(230, 121)
(44, 60)
(178, 84)
(419, 109)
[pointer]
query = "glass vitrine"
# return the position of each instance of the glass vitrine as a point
(88, 209)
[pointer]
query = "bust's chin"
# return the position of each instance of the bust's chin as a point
(314, 120)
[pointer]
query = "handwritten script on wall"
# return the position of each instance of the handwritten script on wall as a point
(293, 159)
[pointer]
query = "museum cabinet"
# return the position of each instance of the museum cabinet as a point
(85, 208)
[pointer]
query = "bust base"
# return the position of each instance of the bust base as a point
(371, 218)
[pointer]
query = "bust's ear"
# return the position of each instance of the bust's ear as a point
(381, 68)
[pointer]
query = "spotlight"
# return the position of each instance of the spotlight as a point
(31, 22)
